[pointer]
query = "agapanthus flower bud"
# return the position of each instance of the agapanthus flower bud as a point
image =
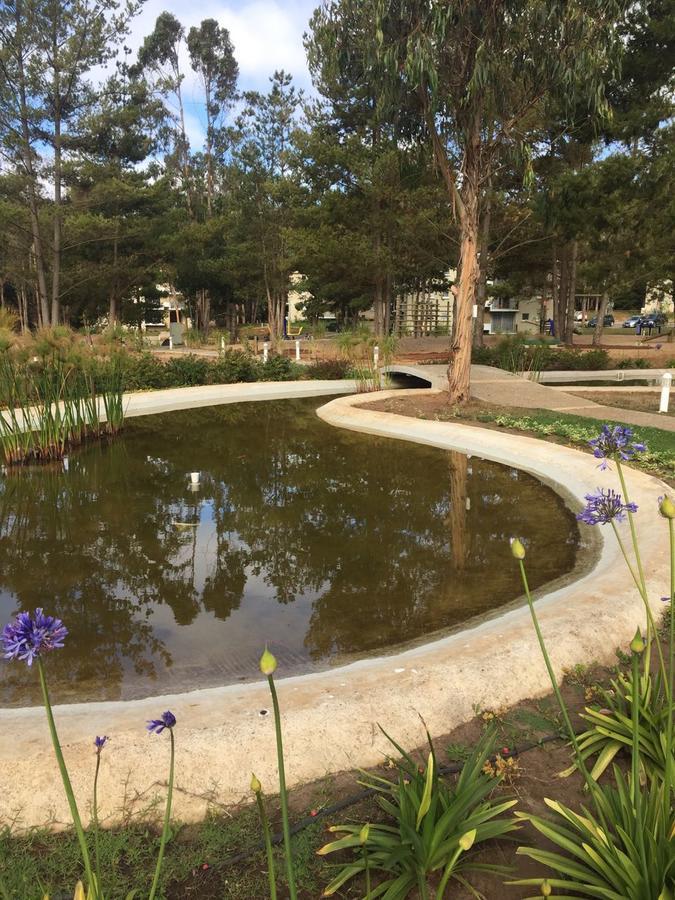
(517, 548)
(637, 645)
(100, 741)
(545, 888)
(256, 787)
(268, 662)
(467, 839)
(363, 834)
(667, 507)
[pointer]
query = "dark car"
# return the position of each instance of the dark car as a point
(653, 320)
(608, 321)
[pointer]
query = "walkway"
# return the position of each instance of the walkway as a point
(505, 389)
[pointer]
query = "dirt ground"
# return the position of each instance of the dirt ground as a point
(647, 401)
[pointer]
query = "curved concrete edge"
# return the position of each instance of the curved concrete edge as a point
(146, 403)
(330, 719)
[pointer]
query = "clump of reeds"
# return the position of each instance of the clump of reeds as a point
(54, 398)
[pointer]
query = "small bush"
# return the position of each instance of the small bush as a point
(143, 372)
(328, 369)
(233, 367)
(187, 371)
(279, 368)
(637, 363)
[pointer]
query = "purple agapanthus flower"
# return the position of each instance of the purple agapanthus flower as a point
(100, 742)
(615, 443)
(157, 726)
(605, 506)
(28, 637)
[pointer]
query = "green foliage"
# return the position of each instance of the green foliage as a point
(329, 369)
(611, 853)
(611, 728)
(639, 362)
(516, 354)
(427, 818)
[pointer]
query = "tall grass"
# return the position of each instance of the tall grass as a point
(52, 403)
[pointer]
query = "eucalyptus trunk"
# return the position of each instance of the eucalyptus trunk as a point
(600, 320)
(481, 287)
(573, 250)
(459, 370)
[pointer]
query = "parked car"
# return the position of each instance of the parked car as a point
(608, 321)
(653, 320)
(632, 322)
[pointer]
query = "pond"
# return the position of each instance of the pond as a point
(328, 544)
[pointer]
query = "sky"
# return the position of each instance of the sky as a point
(266, 35)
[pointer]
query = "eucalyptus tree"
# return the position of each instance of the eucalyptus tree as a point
(478, 70)
(160, 55)
(212, 57)
(264, 186)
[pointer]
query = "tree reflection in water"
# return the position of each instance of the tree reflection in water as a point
(323, 542)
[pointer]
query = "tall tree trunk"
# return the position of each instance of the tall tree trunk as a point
(571, 291)
(563, 293)
(481, 287)
(459, 370)
(379, 304)
(184, 157)
(555, 293)
(209, 158)
(600, 321)
(113, 308)
(56, 248)
(31, 179)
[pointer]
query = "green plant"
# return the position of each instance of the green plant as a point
(624, 845)
(328, 369)
(611, 728)
(268, 665)
(639, 362)
(632, 859)
(433, 825)
(256, 787)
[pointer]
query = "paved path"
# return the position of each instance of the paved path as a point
(505, 389)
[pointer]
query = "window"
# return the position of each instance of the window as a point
(525, 317)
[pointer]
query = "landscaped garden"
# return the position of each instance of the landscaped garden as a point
(272, 628)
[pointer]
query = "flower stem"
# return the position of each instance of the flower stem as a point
(554, 683)
(65, 778)
(635, 757)
(97, 860)
(292, 890)
(651, 624)
(642, 584)
(268, 845)
(440, 893)
(167, 820)
(668, 780)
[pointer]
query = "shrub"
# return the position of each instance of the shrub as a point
(186, 371)
(233, 367)
(279, 368)
(328, 369)
(142, 372)
(638, 363)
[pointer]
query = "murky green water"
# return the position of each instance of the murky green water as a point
(325, 543)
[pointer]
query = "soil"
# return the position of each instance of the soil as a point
(644, 401)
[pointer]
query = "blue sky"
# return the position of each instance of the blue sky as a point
(266, 34)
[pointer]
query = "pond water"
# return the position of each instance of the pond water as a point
(327, 544)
